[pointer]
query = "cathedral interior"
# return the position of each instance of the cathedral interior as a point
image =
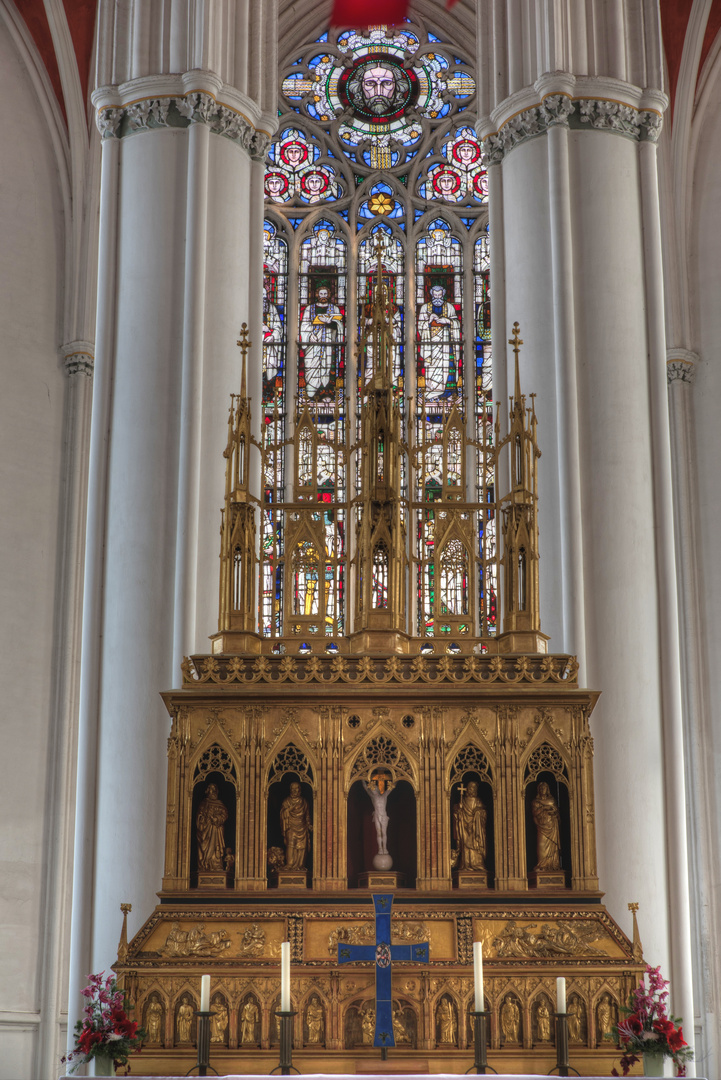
(359, 443)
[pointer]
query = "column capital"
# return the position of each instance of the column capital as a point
(681, 365)
(581, 103)
(177, 101)
(78, 357)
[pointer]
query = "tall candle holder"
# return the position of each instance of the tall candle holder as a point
(562, 1064)
(203, 1063)
(285, 1031)
(480, 1045)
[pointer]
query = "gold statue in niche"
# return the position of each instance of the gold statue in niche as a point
(314, 1018)
(399, 1027)
(469, 821)
(575, 1021)
(547, 819)
(446, 1020)
(606, 1014)
(185, 1020)
(296, 826)
(543, 1021)
(510, 1020)
(153, 1020)
(248, 1019)
(212, 816)
(219, 1022)
(368, 1025)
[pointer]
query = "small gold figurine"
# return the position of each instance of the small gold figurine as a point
(510, 1020)
(543, 1020)
(153, 1020)
(185, 1020)
(575, 1020)
(212, 815)
(219, 1022)
(547, 819)
(469, 821)
(296, 826)
(314, 1018)
(248, 1021)
(446, 1020)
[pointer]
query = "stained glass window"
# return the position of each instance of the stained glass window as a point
(376, 160)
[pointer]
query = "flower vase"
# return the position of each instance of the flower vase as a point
(657, 1065)
(105, 1066)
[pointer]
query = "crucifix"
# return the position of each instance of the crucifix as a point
(383, 954)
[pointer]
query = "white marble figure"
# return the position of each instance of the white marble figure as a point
(378, 790)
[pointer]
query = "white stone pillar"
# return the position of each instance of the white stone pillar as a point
(575, 161)
(180, 270)
(77, 358)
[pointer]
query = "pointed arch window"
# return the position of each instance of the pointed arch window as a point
(376, 158)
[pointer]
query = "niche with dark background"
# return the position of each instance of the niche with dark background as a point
(226, 794)
(560, 794)
(485, 794)
(362, 841)
(277, 793)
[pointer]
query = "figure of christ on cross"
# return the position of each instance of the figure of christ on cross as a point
(383, 954)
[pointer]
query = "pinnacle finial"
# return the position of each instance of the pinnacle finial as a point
(244, 345)
(516, 342)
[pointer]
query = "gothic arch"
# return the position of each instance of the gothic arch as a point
(544, 735)
(382, 746)
(290, 755)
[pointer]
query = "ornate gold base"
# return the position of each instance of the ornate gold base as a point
(470, 879)
(236, 642)
(523, 641)
(380, 641)
(547, 879)
(375, 879)
(292, 879)
(216, 880)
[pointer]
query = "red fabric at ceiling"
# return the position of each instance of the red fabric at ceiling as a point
(81, 20)
(36, 21)
(674, 20)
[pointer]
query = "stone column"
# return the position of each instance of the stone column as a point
(569, 121)
(179, 272)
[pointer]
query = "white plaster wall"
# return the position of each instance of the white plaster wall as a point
(31, 408)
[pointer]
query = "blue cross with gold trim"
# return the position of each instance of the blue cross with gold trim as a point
(383, 954)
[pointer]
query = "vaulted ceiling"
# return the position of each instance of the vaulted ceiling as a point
(81, 14)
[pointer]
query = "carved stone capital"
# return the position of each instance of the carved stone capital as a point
(180, 111)
(590, 114)
(78, 357)
(681, 365)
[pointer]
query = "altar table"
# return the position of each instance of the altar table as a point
(366, 1076)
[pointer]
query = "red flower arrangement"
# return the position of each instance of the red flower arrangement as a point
(106, 1029)
(647, 1027)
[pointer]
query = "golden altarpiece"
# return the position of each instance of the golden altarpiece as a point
(456, 770)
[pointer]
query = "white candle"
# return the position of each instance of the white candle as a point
(560, 994)
(478, 974)
(285, 977)
(205, 993)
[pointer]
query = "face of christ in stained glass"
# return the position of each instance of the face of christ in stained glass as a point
(439, 330)
(379, 89)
